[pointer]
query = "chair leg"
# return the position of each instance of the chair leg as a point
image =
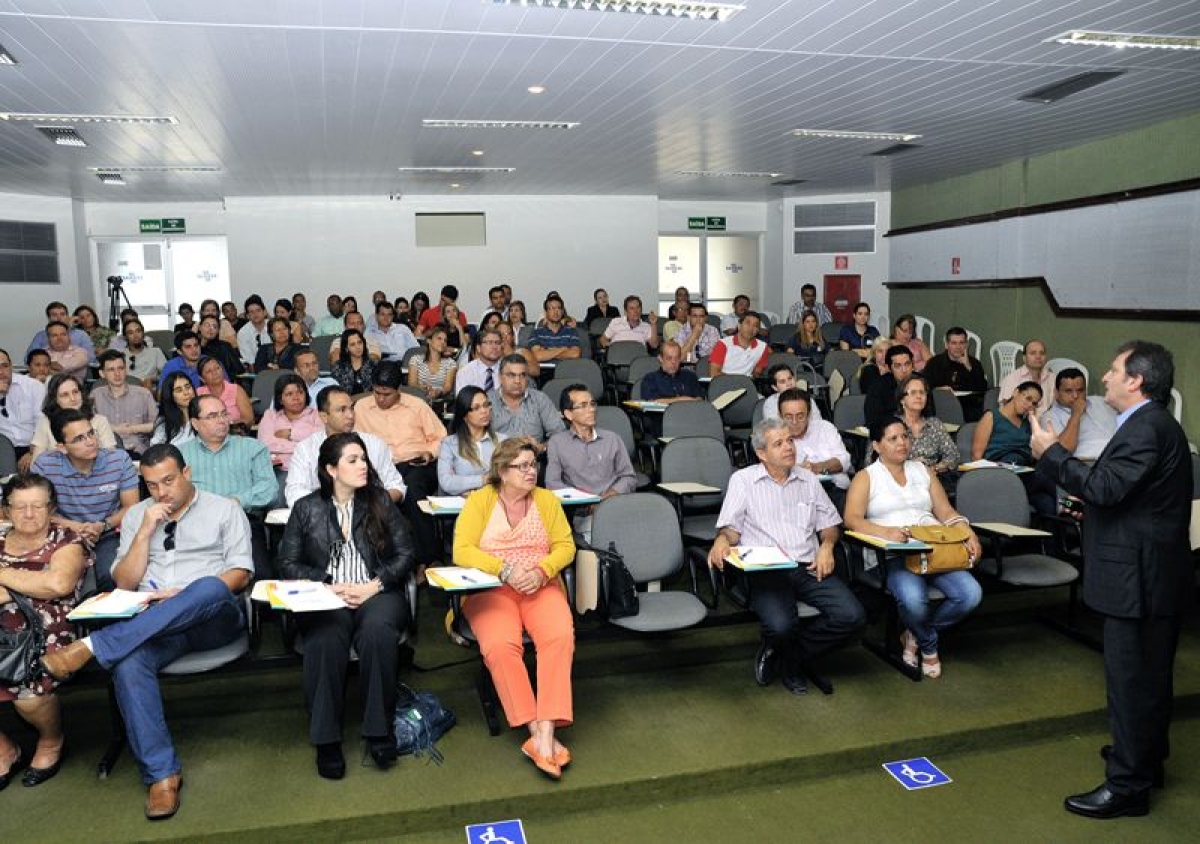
(116, 741)
(489, 701)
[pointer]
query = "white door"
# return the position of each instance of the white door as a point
(158, 274)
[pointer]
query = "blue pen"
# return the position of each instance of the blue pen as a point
(153, 585)
(469, 579)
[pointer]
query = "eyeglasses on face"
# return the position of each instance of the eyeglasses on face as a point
(531, 466)
(89, 434)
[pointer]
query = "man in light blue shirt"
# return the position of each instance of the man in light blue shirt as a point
(393, 340)
(1084, 423)
(57, 312)
(309, 370)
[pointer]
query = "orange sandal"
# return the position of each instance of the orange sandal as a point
(549, 767)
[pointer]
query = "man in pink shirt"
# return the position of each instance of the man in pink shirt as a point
(65, 357)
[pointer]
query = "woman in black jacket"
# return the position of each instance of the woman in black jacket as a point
(350, 537)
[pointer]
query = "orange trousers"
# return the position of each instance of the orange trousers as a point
(497, 617)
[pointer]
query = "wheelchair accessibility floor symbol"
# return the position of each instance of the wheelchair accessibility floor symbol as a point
(496, 832)
(916, 773)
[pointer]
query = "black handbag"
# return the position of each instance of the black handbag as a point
(21, 650)
(617, 587)
(420, 721)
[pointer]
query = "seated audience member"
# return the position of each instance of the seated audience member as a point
(676, 317)
(256, 333)
(420, 304)
(1033, 369)
(65, 356)
(191, 550)
(601, 308)
(931, 442)
(586, 457)
(807, 343)
(456, 335)
(86, 320)
(129, 408)
(173, 425)
(414, 435)
(21, 401)
(489, 321)
(670, 382)
(819, 446)
(301, 315)
(904, 332)
(280, 352)
(283, 310)
(554, 340)
(348, 536)
(94, 487)
(393, 340)
(43, 561)
(433, 372)
(38, 364)
(226, 333)
(496, 303)
(376, 297)
(859, 335)
(954, 369)
(517, 531)
(508, 346)
(211, 346)
(403, 311)
(874, 368)
(57, 312)
(808, 303)
(230, 311)
(354, 370)
(776, 503)
(308, 367)
(743, 353)
(1002, 435)
(516, 315)
(145, 362)
(782, 379)
(881, 398)
(683, 300)
(65, 391)
(331, 324)
(187, 343)
(484, 371)
(885, 500)
(731, 320)
(631, 328)
(519, 410)
(236, 401)
(354, 322)
(1084, 423)
(349, 305)
(290, 419)
(465, 455)
(696, 337)
(567, 319)
(431, 316)
(187, 321)
(335, 408)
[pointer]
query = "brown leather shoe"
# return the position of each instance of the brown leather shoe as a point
(162, 798)
(62, 663)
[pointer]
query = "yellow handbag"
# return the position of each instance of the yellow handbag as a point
(947, 549)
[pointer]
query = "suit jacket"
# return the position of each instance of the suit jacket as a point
(1135, 535)
(313, 528)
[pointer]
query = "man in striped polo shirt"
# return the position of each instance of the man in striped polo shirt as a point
(95, 486)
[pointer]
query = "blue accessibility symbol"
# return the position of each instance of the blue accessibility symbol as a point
(916, 773)
(496, 832)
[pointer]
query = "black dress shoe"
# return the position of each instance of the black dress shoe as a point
(331, 764)
(36, 776)
(383, 752)
(795, 684)
(764, 665)
(1160, 776)
(20, 762)
(1102, 803)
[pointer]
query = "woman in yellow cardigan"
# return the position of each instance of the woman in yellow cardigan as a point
(513, 529)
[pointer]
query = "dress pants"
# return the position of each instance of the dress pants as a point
(1139, 657)
(105, 554)
(421, 482)
(773, 596)
(373, 630)
(203, 616)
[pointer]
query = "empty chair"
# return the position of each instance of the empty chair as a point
(693, 419)
(947, 407)
(963, 439)
(585, 341)
(831, 331)
(843, 361)
(736, 415)
(926, 332)
(555, 386)
(617, 359)
(1004, 359)
(581, 371)
(700, 460)
(974, 345)
(164, 339)
(780, 335)
(850, 412)
(1057, 365)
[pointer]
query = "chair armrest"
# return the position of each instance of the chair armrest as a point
(698, 558)
(1008, 531)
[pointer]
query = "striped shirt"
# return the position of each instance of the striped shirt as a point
(240, 468)
(787, 516)
(544, 337)
(90, 497)
(346, 564)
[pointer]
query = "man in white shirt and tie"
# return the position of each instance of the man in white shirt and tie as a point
(484, 371)
(21, 400)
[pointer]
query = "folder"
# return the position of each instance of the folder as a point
(119, 603)
(880, 542)
(727, 398)
(460, 578)
(759, 558)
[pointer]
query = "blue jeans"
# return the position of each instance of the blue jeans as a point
(203, 616)
(911, 591)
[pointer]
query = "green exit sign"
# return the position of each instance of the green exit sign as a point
(166, 225)
(714, 224)
(150, 226)
(695, 224)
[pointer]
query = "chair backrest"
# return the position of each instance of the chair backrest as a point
(321, 346)
(554, 387)
(614, 419)
(701, 460)
(693, 419)
(415, 392)
(644, 529)
(947, 407)
(596, 327)
(831, 331)
(623, 352)
(1176, 405)
(8, 457)
(991, 399)
(1057, 365)
(409, 354)
(964, 438)
(1004, 359)
(640, 368)
(523, 334)
(702, 368)
(583, 371)
(850, 412)
(767, 318)
(792, 361)
(992, 495)
(974, 344)
(741, 411)
(264, 387)
(779, 335)
(165, 339)
(926, 332)
(757, 416)
(837, 386)
(714, 319)
(585, 341)
(843, 361)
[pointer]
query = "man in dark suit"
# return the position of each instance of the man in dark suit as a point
(1138, 571)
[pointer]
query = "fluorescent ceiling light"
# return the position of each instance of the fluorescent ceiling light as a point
(698, 10)
(740, 174)
(1127, 39)
(456, 169)
(903, 137)
(536, 89)
(1056, 91)
(64, 136)
(476, 152)
(433, 123)
(110, 178)
(86, 118)
(158, 168)
(6, 57)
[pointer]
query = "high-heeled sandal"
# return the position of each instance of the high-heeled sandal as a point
(908, 642)
(931, 666)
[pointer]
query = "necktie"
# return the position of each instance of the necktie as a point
(489, 383)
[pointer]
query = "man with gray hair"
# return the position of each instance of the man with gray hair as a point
(779, 504)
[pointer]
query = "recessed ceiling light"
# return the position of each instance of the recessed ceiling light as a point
(110, 178)
(741, 174)
(1120, 40)
(431, 123)
(476, 152)
(1056, 91)
(697, 9)
(537, 89)
(158, 168)
(64, 136)
(855, 136)
(455, 185)
(456, 169)
(87, 118)
(6, 57)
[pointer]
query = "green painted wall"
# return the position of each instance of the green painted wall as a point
(1153, 155)
(1023, 313)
